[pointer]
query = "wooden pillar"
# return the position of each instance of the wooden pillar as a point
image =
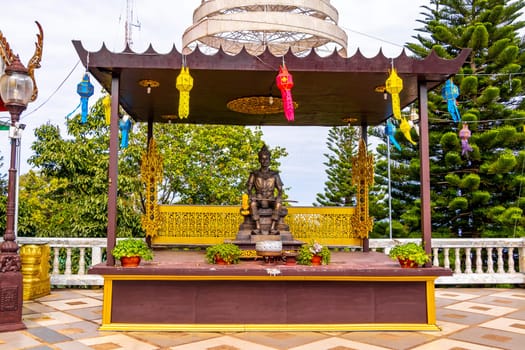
(426, 220)
(113, 169)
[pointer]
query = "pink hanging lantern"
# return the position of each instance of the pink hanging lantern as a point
(284, 82)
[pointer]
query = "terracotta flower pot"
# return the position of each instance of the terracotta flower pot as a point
(220, 261)
(316, 260)
(130, 261)
(406, 263)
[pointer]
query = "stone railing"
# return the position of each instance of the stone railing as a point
(473, 261)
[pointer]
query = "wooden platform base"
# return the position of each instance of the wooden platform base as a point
(178, 291)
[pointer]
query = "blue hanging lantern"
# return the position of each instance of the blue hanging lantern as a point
(390, 131)
(85, 89)
(125, 126)
(450, 92)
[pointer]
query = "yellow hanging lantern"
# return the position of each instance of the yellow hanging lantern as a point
(394, 85)
(106, 102)
(405, 129)
(184, 85)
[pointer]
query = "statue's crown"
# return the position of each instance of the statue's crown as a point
(264, 151)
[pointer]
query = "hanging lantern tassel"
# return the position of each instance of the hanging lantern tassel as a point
(284, 82)
(85, 89)
(125, 126)
(405, 129)
(390, 131)
(184, 85)
(450, 92)
(464, 135)
(394, 85)
(106, 102)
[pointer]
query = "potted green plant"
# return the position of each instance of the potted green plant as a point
(223, 254)
(409, 254)
(313, 253)
(130, 251)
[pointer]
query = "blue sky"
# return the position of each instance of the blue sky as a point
(162, 24)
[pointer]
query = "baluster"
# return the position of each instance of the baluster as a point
(56, 265)
(82, 262)
(96, 255)
(457, 264)
(501, 268)
(479, 262)
(446, 259)
(68, 261)
(490, 262)
(468, 261)
(435, 252)
(510, 261)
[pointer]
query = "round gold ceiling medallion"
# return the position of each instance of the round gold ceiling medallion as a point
(257, 105)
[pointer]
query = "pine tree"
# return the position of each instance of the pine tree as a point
(338, 190)
(478, 192)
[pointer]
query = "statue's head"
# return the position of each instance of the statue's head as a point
(264, 154)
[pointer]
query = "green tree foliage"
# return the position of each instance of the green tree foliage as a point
(403, 164)
(206, 164)
(477, 193)
(67, 195)
(338, 189)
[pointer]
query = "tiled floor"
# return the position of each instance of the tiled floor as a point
(470, 318)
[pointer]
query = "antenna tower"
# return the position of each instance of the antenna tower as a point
(129, 23)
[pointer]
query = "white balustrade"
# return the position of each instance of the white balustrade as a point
(473, 261)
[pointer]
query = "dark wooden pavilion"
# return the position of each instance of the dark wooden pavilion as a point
(329, 91)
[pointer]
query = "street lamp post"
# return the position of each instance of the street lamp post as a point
(16, 89)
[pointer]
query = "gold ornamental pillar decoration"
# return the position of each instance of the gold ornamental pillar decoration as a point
(35, 270)
(151, 176)
(363, 178)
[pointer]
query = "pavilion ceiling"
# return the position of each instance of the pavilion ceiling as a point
(328, 90)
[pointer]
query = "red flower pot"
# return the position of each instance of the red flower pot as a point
(316, 260)
(130, 261)
(407, 263)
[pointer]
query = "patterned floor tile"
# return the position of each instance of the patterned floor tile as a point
(490, 337)
(47, 335)
(506, 324)
(17, 340)
(71, 304)
(461, 317)
(281, 340)
(337, 344)
(48, 319)
(91, 313)
(453, 295)
(390, 340)
(449, 344)
(77, 330)
(32, 308)
(480, 308)
(518, 294)
(446, 328)
(222, 343)
(167, 339)
(116, 342)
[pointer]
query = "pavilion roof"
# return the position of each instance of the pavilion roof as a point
(327, 90)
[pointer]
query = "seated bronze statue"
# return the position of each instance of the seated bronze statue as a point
(265, 190)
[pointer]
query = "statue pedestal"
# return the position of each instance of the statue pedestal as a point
(246, 240)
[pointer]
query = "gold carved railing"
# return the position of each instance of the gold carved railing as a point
(209, 224)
